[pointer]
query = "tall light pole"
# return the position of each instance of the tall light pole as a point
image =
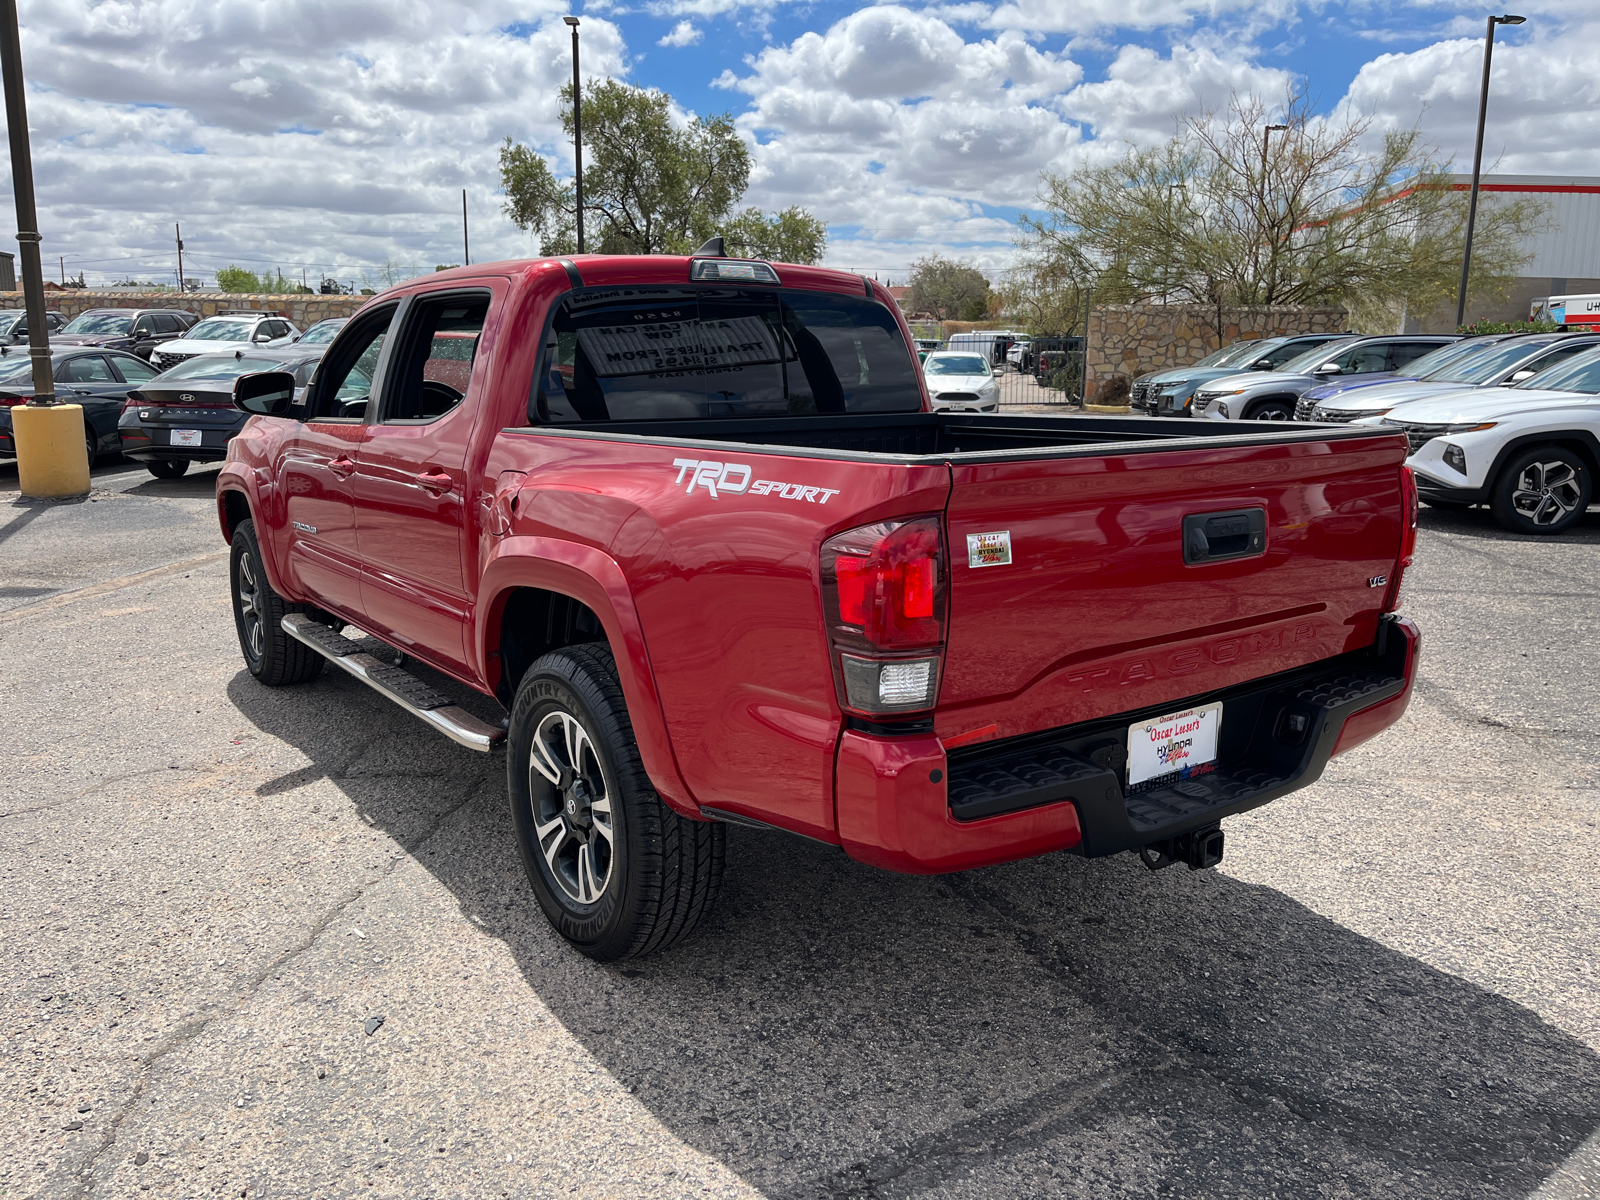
(466, 247)
(577, 130)
(1477, 161)
(1265, 135)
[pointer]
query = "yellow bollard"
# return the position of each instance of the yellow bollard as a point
(52, 458)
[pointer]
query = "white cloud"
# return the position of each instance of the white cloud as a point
(332, 135)
(684, 33)
(1544, 98)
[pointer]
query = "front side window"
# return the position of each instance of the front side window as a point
(145, 326)
(636, 354)
(344, 379)
(1278, 355)
(433, 370)
(88, 369)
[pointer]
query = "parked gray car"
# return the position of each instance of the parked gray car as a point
(1271, 395)
(1502, 364)
(1168, 393)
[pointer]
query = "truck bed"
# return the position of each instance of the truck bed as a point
(918, 436)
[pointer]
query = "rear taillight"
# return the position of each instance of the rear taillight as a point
(8, 401)
(1408, 538)
(884, 590)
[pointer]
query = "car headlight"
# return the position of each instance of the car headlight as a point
(1470, 427)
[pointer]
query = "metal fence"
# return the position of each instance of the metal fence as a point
(1049, 375)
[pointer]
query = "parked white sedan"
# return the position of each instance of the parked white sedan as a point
(960, 381)
(1531, 454)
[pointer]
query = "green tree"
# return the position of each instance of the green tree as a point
(650, 185)
(1311, 215)
(236, 279)
(951, 291)
(792, 235)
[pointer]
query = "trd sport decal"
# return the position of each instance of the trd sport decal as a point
(735, 479)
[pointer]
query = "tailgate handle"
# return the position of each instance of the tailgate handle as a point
(1218, 536)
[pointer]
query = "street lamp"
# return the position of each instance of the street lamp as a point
(1265, 134)
(52, 459)
(1477, 161)
(577, 130)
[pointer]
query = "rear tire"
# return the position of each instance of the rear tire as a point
(617, 872)
(89, 441)
(1544, 490)
(272, 656)
(172, 469)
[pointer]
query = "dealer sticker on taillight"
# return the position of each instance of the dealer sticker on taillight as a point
(989, 549)
(1180, 744)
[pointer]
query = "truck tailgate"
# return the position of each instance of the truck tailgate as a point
(1098, 612)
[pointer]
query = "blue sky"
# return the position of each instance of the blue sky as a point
(338, 138)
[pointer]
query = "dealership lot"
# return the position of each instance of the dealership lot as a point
(278, 943)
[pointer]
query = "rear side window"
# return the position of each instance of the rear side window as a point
(1401, 353)
(640, 354)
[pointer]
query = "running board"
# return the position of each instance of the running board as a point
(398, 684)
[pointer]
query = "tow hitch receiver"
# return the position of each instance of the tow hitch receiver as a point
(1200, 849)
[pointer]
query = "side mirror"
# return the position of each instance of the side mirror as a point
(1261, 364)
(1525, 373)
(265, 393)
(1326, 369)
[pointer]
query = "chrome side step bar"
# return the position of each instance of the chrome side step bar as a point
(398, 684)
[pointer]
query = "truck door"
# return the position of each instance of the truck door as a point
(411, 480)
(315, 465)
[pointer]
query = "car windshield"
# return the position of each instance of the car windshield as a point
(1451, 355)
(321, 332)
(1580, 374)
(221, 330)
(9, 320)
(100, 324)
(1489, 362)
(956, 364)
(219, 366)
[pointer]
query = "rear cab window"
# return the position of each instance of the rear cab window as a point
(664, 353)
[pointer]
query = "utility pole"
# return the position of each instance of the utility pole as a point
(1477, 162)
(178, 229)
(466, 248)
(63, 272)
(577, 131)
(52, 458)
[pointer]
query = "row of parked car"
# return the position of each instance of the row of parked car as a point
(156, 385)
(1511, 421)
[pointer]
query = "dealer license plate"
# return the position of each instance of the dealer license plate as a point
(1181, 744)
(185, 437)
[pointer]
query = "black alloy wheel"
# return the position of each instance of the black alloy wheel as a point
(1543, 490)
(617, 872)
(272, 656)
(171, 469)
(1274, 410)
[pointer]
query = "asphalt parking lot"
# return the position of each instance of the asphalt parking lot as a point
(278, 943)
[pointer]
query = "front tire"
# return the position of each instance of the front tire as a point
(617, 872)
(168, 470)
(1541, 491)
(1274, 410)
(273, 657)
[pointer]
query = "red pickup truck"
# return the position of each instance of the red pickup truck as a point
(692, 522)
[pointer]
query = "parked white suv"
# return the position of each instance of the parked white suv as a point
(1530, 452)
(225, 332)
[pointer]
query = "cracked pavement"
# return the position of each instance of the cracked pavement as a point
(211, 891)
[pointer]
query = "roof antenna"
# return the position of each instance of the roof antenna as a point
(712, 248)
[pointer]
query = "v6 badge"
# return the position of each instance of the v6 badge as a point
(989, 549)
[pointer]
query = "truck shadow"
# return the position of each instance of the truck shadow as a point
(1053, 1027)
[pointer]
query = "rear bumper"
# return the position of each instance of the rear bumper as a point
(905, 805)
(152, 441)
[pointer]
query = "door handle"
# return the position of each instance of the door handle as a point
(437, 482)
(1214, 537)
(342, 466)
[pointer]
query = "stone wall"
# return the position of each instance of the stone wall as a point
(302, 310)
(1131, 340)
